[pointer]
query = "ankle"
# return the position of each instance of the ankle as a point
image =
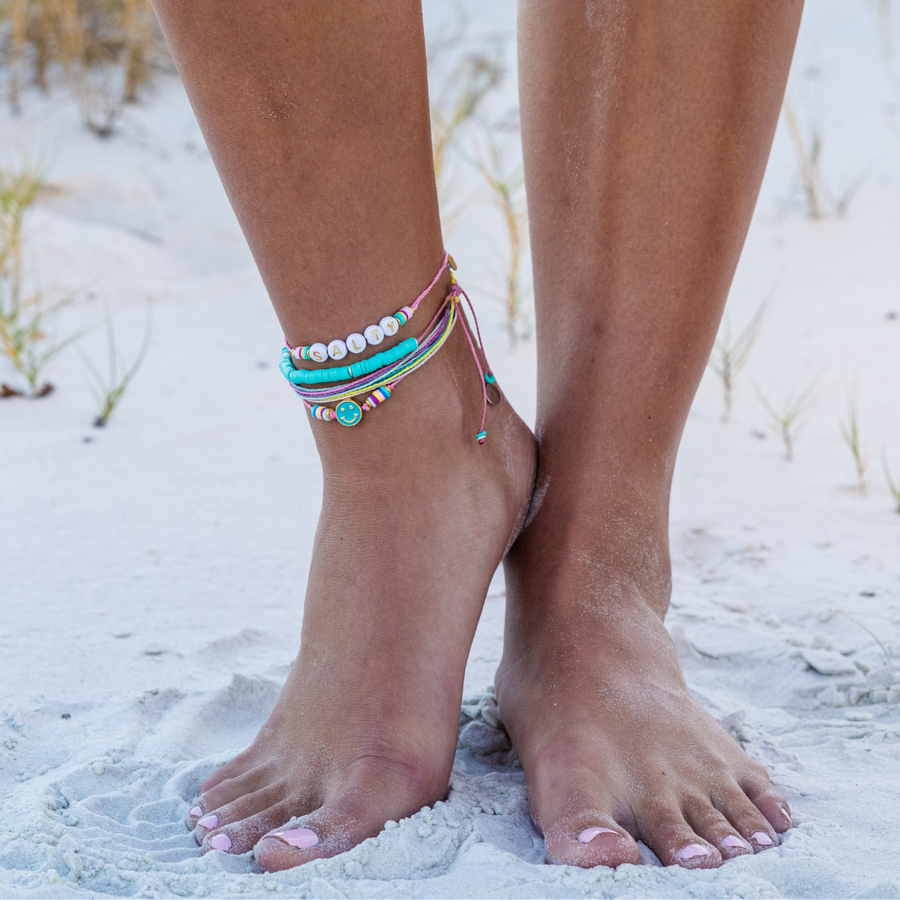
(612, 534)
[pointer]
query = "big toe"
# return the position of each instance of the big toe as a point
(596, 840)
(332, 829)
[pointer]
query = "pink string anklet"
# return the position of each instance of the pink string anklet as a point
(371, 335)
(379, 376)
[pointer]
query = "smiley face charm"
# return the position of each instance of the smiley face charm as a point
(348, 412)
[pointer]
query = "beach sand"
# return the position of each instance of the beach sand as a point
(153, 572)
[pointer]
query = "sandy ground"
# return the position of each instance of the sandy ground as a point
(151, 596)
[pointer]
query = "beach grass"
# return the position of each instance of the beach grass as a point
(789, 419)
(109, 389)
(817, 192)
(103, 50)
(506, 190)
(25, 317)
(462, 90)
(850, 433)
(893, 486)
(730, 355)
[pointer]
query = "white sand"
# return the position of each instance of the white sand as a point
(151, 579)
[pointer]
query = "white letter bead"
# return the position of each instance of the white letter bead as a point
(374, 334)
(389, 325)
(356, 343)
(318, 352)
(337, 349)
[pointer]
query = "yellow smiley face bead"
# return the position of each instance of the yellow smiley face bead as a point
(348, 412)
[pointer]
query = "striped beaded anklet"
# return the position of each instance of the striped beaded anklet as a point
(377, 376)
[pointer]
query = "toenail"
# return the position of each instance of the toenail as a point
(209, 822)
(693, 850)
(732, 841)
(761, 838)
(196, 811)
(786, 815)
(589, 834)
(298, 837)
(220, 842)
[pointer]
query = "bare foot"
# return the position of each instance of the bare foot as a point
(416, 516)
(613, 746)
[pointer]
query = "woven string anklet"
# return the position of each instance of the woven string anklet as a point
(376, 377)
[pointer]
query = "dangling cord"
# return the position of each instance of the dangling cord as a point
(456, 291)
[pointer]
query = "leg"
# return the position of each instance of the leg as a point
(646, 129)
(317, 117)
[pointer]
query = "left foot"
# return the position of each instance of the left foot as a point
(613, 746)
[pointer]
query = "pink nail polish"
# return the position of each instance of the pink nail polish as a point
(589, 834)
(196, 811)
(787, 816)
(220, 842)
(732, 841)
(693, 850)
(761, 838)
(209, 822)
(298, 837)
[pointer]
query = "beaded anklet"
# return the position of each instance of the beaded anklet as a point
(371, 335)
(379, 375)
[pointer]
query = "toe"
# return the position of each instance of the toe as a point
(245, 808)
(230, 789)
(770, 802)
(195, 812)
(667, 833)
(240, 835)
(747, 820)
(591, 838)
(715, 829)
(334, 828)
(232, 769)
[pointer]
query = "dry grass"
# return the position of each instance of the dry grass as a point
(24, 316)
(893, 486)
(730, 355)
(884, 15)
(788, 420)
(506, 189)
(807, 144)
(104, 50)
(462, 87)
(850, 433)
(108, 390)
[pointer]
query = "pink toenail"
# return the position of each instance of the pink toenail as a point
(761, 838)
(732, 841)
(694, 850)
(209, 822)
(196, 811)
(589, 834)
(298, 837)
(220, 842)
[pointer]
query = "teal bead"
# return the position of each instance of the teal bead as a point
(348, 412)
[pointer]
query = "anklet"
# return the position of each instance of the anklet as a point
(342, 373)
(371, 335)
(377, 376)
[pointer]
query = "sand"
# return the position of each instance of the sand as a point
(151, 593)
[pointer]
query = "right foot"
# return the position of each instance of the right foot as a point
(415, 518)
